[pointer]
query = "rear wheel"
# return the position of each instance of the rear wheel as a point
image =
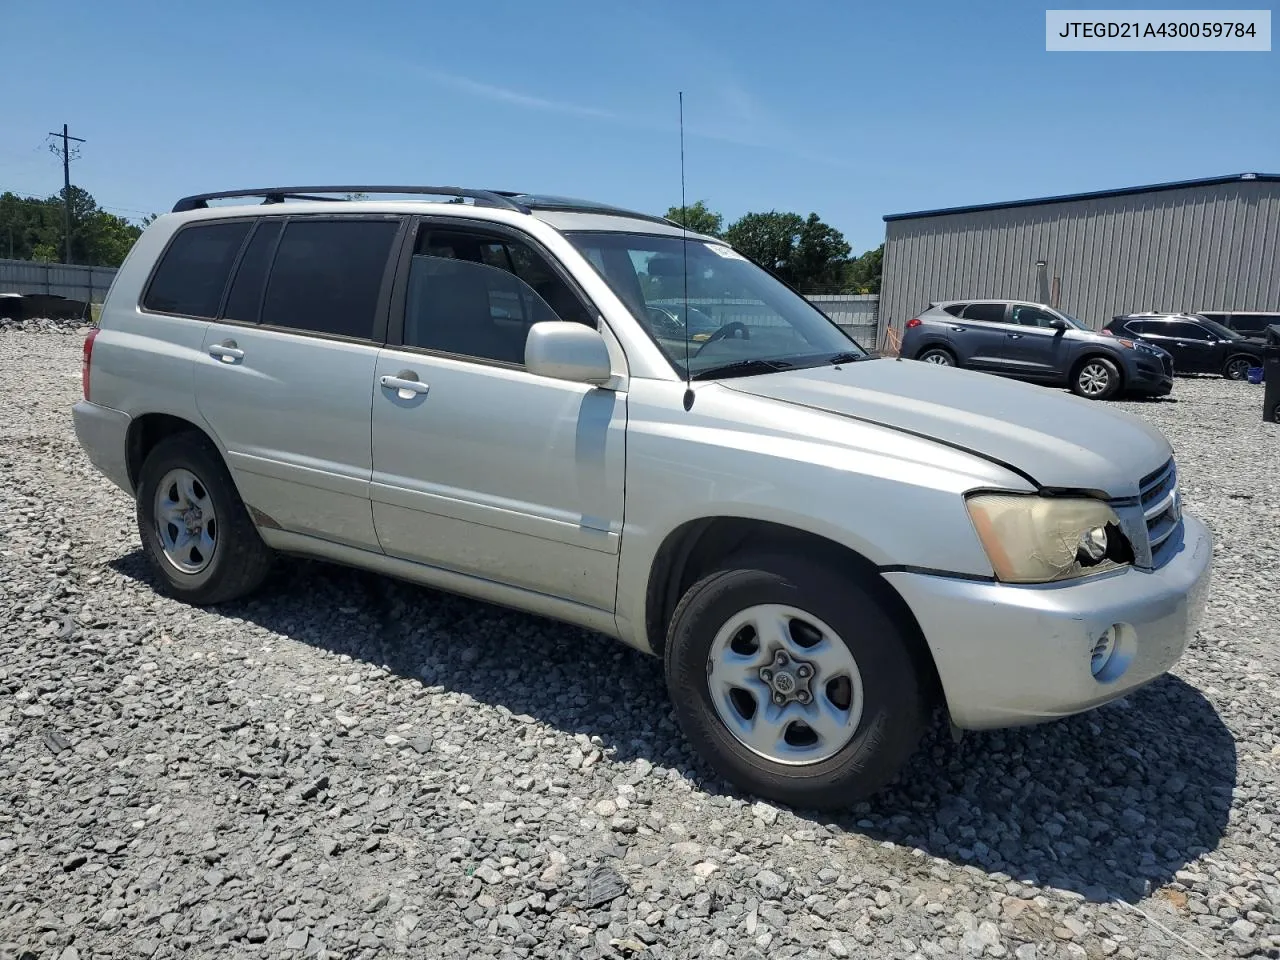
(1096, 379)
(1237, 368)
(792, 682)
(939, 356)
(193, 525)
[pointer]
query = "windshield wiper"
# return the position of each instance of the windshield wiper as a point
(847, 357)
(743, 368)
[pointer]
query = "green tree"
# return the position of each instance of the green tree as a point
(697, 218)
(36, 229)
(862, 274)
(806, 253)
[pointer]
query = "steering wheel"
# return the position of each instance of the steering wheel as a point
(733, 326)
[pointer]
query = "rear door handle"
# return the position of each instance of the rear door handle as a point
(959, 329)
(226, 351)
(405, 383)
(1015, 336)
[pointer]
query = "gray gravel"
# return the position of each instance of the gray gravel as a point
(349, 766)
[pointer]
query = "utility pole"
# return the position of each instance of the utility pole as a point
(66, 184)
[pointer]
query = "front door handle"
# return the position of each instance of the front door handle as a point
(405, 383)
(226, 351)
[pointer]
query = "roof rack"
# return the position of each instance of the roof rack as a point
(573, 205)
(485, 198)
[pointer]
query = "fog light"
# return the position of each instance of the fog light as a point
(1103, 650)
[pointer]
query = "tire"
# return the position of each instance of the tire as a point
(1237, 368)
(1096, 379)
(237, 561)
(893, 700)
(938, 356)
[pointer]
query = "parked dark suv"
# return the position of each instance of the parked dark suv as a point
(1031, 341)
(1198, 344)
(1252, 323)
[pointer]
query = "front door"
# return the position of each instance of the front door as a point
(1194, 349)
(1032, 347)
(479, 466)
(284, 374)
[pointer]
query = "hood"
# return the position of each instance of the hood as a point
(1054, 438)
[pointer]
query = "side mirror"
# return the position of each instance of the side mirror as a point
(1058, 323)
(567, 351)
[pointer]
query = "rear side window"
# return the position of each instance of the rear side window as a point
(245, 298)
(989, 312)
(1253, 323)
(954, 309)
(327, 275)
(193, 272)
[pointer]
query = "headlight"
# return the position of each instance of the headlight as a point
(1031, 539)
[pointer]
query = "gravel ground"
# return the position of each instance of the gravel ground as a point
(349, 766)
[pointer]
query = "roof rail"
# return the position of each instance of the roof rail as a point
(574, 205)
(485, 198)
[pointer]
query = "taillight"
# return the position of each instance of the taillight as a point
(84, 365)
(913, 322)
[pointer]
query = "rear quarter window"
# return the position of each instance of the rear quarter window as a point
(955, 309)
(193, 271)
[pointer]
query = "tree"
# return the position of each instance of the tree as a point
(806, 253)
(32, 229)
(862, 274)
(697, 218)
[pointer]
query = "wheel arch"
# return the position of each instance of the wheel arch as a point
(148, 429)
(696, 546)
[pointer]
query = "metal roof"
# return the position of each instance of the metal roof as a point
(1094, 195)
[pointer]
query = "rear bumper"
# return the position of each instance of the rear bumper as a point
(103, 435)
(1010, 655)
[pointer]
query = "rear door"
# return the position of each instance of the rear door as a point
(285, 379)
(979, 336)
(1032, 347)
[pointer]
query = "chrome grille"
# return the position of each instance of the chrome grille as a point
(1161, 507)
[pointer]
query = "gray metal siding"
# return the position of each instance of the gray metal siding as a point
(73, 281)
(1200, 248)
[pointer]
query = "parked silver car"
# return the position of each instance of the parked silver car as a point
(820, 546)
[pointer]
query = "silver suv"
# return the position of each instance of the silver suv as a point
(476, 395)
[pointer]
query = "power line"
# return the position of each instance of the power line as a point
(66, 183)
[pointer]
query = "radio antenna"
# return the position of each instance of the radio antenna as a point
(684, 256)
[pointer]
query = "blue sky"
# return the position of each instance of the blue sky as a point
(847, 110)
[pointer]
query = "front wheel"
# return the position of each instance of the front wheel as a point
(1097, 379)
(793, 682)
(938, 357)
(1237, 368)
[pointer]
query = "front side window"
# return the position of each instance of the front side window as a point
(738, 318)
(477, 295)
(327, 275)
(1026, 315)
(193, 272)
(985, 312)
(1210, 329)
(1188, 331)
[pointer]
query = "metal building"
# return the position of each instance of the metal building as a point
(1190, 245)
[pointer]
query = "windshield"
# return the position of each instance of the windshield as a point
(740, 319)
(1226, 333)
